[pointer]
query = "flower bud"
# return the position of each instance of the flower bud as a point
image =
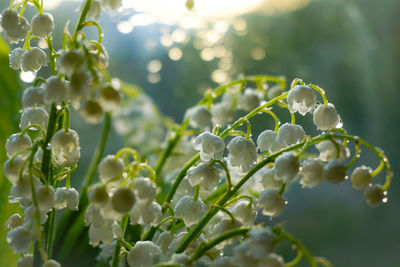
(274, 91)
(42, 25)
(12, 168)
(46, 198)
(69, 62)
(14, 221)
(110, 98)
(290, 134)
(326, 117)
(16, 143)
(361, 177)
(268, 179)
(81, 83)
(374, 195)
(36, 115)
(249, 100)
(123, 200)
(94, 11)
(200, 117)
(110, 167)
(33, 96)
(26, 261)
(16, 58)
(313, 172)
(271, 202)
(33, 59)
(191, 211)
(222, 114)
(329, 151)
(99, 196)
(56, 90)
(9, 18)
(335, 172)
(65, 148)
(203, 174)
(266, 141)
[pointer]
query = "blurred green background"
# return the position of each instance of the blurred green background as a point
(349, 47)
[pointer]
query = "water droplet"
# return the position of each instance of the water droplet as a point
(385, 200)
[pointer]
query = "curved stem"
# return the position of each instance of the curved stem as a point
(227, 174)
(320, 91)
(82, 18)
(276, 119)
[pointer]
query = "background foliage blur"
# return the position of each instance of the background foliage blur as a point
(348, 47)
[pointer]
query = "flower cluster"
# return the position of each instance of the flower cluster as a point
(192, 200)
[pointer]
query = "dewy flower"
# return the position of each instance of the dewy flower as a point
(290, 134)
(12, 168)
(56, 90)
(110, 167)
(26, 261)
(268, 178)
(16, 58)
(199, 117)
(69, 62)
(65, 148)
(33, 96)
(266, 141)
(33, 59)
(243, 213)
(16, 143)
(335, 172)
(42, 25)
(374, 195)
(36, 115)
(146, 213)
(190, 210)
(14, 221)
(271, 202)
(81, 83)
(329, 151)
(210, 146)
(274, 91)
(19, 239)
(326, 117)
(208, 177)
(242, 153)
(94, 11)
(142, 254)
(144, 188)
(249, 100)
(16, 28)
(287, 166)
(301, 99)
(361, 177)
(313, 172)
(123, 200)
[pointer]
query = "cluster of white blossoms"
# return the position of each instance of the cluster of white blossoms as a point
(197, 199)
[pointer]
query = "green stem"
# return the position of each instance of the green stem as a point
(82, 18)
(203, 248)
(117, 250)
(51, 55)
(296, 260)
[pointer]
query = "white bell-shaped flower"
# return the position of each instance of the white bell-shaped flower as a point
(42, 25)
(80, 84)
(301, 99)
(33, 59)
(94, 11)
(144, 188)
(273, 260)
(243, 213)
(290, 134)
(99, 196)
(36, 115)
(16, 58)
(249, 100)
(110, 98)
(25, 261)
(329, 151)
(19, 239)
(66, 197)
(242, 153)
(142, 254)
(191, 211)
(222, 262)
(200, 117)
(271, 202)
(69, 62)
(260, 242)
(46, 198)
(9, 18)
(14, 221)
(287, 166)
(112, 4)
(33, 96)
(374, 195)
(21, 190)
(146, 213)
(16, 143)
(180, 259)
(91, 112)
(223, 226)
(12, 168)
(51, 263)
(94, 216)
(110, 167)
(123, 200)
(56, 90)
(65, 148)
(361, 177)
(209, 145)
(266, 141)
(102, 233)
(16, 28)
(335, 172)
(274, 91)
(326, 117)
(268, 178)
(164, 240)
(222, 114)
(313, 172)
(208, 177)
